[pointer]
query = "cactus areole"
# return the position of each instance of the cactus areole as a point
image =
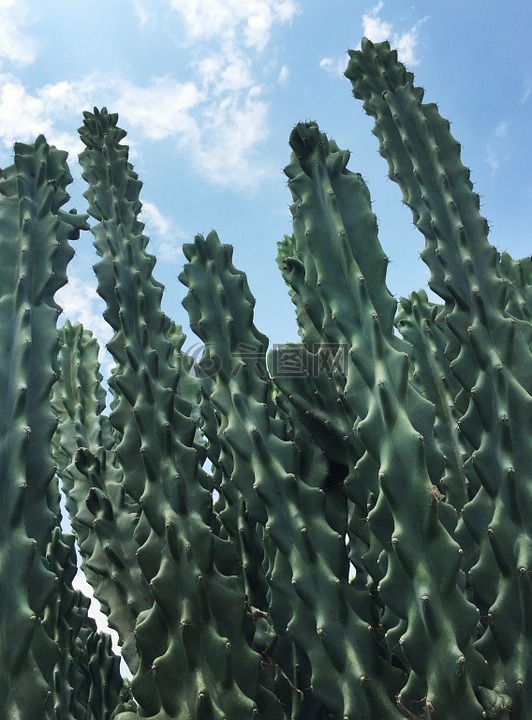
(334, 529)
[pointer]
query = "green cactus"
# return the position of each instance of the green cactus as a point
(348, 539)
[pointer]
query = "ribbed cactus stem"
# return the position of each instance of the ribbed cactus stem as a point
(487, 325)
(311, 561)
(192, 657)
(34, 246)
(394, 424)
(102, 514)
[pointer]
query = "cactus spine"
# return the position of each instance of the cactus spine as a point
(219, 511)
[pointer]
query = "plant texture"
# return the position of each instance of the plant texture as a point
(338, 529)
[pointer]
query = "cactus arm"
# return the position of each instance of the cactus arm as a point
(331, 206)
(192, 654)
(87, 676)
(314, 399)
(230, 346)
(489, 336)
(395, 426)
(310, 323)
(348, 227)
(310, 566)
(424, 159)
(518, 273)
(419, 321)
(102, 515)
(35, 251)
(328, 242)
(418, 324)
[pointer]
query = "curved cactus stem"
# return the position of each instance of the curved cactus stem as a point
(419, 324)
(195, 659)
(103, 516)
(394, 423)
(489, 340)
(518, 274)
(310, 321)
(34, 247)
(286, 486)
(87, 676)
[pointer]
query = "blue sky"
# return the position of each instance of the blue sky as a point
(209, 90)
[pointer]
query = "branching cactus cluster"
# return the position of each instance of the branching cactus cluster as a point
(350, 539)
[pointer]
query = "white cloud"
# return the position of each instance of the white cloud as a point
(174, 102)
(202, 124)
(228, 38)
(406, 46)
(377, 30)
(492, 160)
(374, 28)
(229, 20)
(25, 115)
(16, 46)
(227, 162)
(221, 98)
(154, 218)
(221, 74)
(162, 232)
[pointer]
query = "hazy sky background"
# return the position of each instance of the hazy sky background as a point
(209, 91)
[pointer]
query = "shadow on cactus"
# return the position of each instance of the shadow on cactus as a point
(338, 529)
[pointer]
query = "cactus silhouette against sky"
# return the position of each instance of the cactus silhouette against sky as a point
(335, 529)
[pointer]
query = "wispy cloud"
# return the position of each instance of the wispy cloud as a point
(284, 74)
(492, 160)
(501, 131)
(527, 90)
(204, 126)
(175, 102)
(216, 111)
(335, 66)
(228, 39)
(163, 232)
(141, 12)
(26, 114)
(496, 147)
(374, 27)
(377, 29)
(52, 110)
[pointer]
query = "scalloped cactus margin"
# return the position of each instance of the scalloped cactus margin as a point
(219, 511)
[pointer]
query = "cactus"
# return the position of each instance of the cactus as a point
(335, 529)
